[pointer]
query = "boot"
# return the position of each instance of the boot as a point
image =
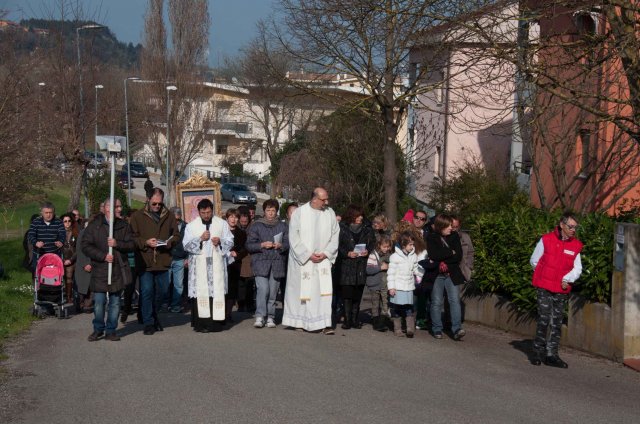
(411, 326)
(397, 327)
(68, 288)
(379, 324)
(347, 315)
(355, 311)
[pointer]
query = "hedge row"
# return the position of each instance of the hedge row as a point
(504, 241)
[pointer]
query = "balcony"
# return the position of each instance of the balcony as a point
(231, 128)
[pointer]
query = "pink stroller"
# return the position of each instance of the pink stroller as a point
(48, 293)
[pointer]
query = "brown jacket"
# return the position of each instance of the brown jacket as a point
(94, 245)
(145, 226)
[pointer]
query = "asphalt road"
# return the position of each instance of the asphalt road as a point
(243, 374)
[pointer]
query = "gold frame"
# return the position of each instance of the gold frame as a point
(198, 186)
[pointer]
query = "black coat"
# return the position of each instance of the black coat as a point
(353, 271)
(94, 245)
(448, 250)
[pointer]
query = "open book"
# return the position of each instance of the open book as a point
(163, 242)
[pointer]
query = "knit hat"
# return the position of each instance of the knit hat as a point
(408, 216)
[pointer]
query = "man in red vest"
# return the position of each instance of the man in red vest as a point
(556, 266)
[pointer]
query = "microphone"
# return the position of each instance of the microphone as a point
(206, 226)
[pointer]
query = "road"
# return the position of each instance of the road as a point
(243, 374)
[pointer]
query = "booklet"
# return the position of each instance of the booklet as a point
(163, 242)
(360, 248)
(277, 238)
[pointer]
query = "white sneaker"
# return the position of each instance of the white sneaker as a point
(259, 323)
(271, 323)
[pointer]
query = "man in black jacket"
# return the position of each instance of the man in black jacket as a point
(178, 262)
(95, 244)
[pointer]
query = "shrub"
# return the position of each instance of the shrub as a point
(100, 188)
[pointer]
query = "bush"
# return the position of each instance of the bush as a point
(472, 189)
(99, 189)
(505, 240)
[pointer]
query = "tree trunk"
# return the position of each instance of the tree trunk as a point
(76, 187)
(390, 174)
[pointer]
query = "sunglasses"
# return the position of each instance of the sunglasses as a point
(419, 218)
(156, 204)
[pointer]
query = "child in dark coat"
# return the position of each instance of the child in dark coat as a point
(377, 266)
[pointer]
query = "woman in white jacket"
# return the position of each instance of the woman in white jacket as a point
(401, 281)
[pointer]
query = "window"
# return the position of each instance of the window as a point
(585, 147)
(438, 165)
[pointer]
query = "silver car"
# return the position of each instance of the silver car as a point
(237, 193)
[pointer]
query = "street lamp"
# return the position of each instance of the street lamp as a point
(84, 176)
(126, 124)
(170, 88)
(95, 152)
(41, 85)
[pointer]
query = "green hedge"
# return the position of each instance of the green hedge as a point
(504, 241)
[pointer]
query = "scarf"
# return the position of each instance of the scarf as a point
(315, 231)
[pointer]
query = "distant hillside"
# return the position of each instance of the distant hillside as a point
(105, 47)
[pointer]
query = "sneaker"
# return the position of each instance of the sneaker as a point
(555, 361)
(437, 335)
(421, 323)
(271, 323)
(95, 336)
(459, 334)
(176, 309)
(259, 323)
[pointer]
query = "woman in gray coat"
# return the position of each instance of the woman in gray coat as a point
(268, 243)
(82, 277)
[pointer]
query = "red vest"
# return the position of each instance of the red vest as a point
(556, 262)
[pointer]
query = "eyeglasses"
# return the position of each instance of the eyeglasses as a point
(420, 218)
(66, 220)
(572, 227)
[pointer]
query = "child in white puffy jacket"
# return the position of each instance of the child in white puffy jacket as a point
(401, 281)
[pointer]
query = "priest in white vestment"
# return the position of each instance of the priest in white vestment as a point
(313, 248)
(208, 240)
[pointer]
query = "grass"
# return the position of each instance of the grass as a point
(15, 221)
(16, 294)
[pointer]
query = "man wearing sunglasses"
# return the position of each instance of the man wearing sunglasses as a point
(556, 266)
(155, 231)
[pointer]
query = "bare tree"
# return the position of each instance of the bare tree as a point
(368, 40)
(577, 71)
(186, 112)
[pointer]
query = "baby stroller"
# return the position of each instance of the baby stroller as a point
(48, 293)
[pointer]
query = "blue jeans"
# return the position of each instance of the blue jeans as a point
(441, 284)
(150, 283)
(266, 292)
(100, 299)
(177, 273)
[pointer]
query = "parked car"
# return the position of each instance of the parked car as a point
(237, 193)
(138, 170)
(95, 161)
(177, 179)
(123, 180)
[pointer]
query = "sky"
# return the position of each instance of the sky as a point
(233, 22)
